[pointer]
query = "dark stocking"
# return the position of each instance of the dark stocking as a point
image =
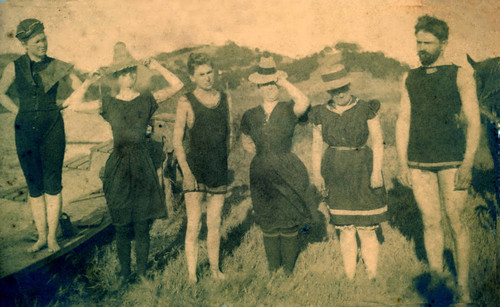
(272, 247)
(123, 248)
(141, 230)
(289, 252)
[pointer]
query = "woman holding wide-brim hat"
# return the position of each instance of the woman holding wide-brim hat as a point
(39, 126)
(349, 170)
(278, 179)
(130, 181)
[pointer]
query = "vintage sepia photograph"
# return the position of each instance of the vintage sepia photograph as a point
(249, 153)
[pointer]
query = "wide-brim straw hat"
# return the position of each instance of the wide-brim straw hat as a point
(266, 72)
(122, 59)
(336, 77)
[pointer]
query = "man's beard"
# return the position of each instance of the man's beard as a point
(427, 58)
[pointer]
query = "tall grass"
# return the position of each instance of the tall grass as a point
(318, 279)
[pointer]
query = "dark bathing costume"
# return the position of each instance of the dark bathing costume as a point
(278, 179)
(207, 140)
(437, 140)
(39, 126)
(347, 164)
(131, 186)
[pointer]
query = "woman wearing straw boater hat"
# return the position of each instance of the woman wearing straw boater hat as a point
(130, 181)
(278, 179)
(349, 170)
(203, 118)
(39, 126)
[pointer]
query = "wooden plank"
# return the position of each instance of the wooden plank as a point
(43, 258)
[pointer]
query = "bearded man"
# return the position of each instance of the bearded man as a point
(436, 146)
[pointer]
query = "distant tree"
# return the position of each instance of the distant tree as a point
(347, 47)
(301, 69)
(231, 55)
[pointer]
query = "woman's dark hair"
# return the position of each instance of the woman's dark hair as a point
(198, 59)
(436, 27)
(339, 90)
(122, 72)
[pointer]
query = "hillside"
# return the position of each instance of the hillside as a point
(318, 279)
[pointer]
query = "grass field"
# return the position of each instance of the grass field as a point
(318, 280)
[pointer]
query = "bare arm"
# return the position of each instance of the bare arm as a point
(8, 76)
(316, 156)
(301, 101)
(470, 107)
(248, 143)
(175, 83)
(181, 121)
(75, 100)
(403, 134)
(378, 151)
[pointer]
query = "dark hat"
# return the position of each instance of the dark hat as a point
(122, 59)
(336, 78)
(266, 71)
(28, 28)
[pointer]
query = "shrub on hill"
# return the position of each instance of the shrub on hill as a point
(375, 63)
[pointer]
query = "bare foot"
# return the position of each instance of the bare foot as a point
(37, 246)
(53, 246)
(218, 275)
(192, 279)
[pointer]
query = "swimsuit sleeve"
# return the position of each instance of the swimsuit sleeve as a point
(373, 108)
(153, 105)
(245, 123)
(314, 115)
(104, 112)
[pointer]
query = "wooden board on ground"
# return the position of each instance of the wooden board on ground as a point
(89, 217)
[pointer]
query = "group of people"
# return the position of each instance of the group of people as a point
(435, 152)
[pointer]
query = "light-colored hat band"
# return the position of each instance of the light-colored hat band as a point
(266, 71)
(334, 76)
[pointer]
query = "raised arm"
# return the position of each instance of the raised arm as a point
(8, 76)
(403, 135)
(301, 101)
(75, 100)
(175, 83)
(470, 107)
(181, 121)
(375, 130)
(316, 156)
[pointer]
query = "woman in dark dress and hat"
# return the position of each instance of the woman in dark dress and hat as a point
(130, 182)
(278, 179)
(349, 170)
(39, 126)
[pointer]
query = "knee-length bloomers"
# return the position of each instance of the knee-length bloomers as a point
(347, 164)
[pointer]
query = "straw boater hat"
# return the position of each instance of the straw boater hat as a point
(336, 78)
(122, 59)
(266, 72)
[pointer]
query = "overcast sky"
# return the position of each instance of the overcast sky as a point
(83, 32)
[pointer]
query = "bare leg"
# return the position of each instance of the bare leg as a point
(426, 191)
(54, 204)
(193, 212)
(454, 201)
(349, 249)
(215, 203)
(39, 215)
(369, 250)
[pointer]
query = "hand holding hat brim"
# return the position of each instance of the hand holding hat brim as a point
(263, 79)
